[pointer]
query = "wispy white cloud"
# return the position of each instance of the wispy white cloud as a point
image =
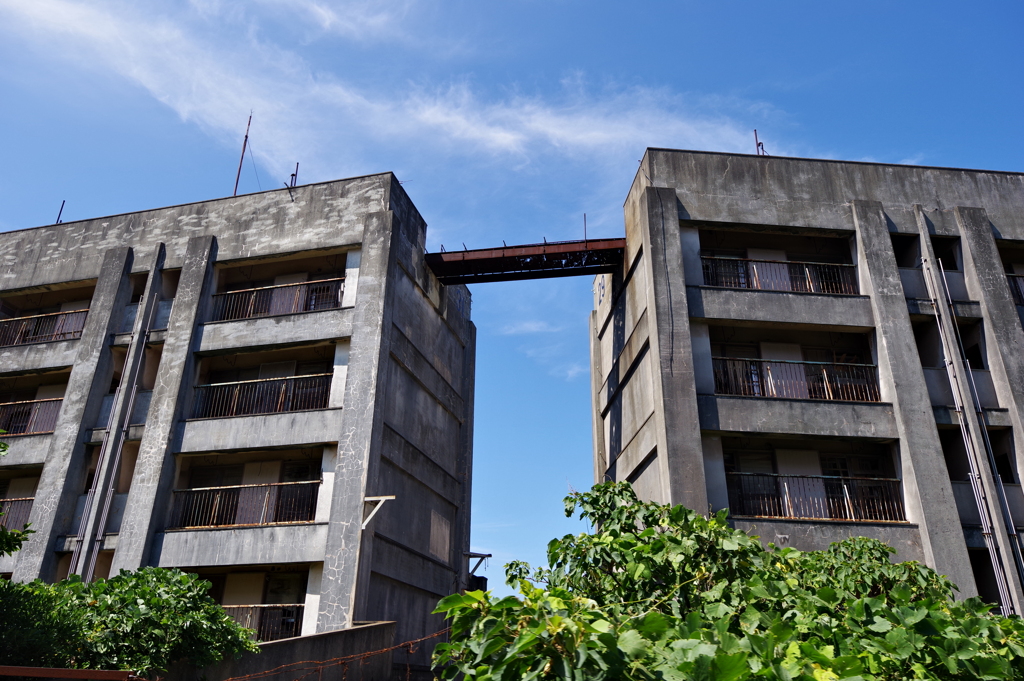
(531, 326)
(213, 80)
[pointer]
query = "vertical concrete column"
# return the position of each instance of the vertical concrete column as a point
(985, 472)
(927, 492)
(464, 462)
(1002, 324)
(64, 472)
(150, 491)
(119, 415)
(362, 420)
(678, 425)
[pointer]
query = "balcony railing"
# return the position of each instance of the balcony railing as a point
(15, 512)
(815, 497)
(262, 396)
(270, 622)
(772, 275)
(42, 328)
(1016, 282)
(309, 296)
(30, 417)
(796, 380)
(282, 502)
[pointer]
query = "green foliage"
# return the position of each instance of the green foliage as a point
(143, 621)
(662, 592)
(38, 627)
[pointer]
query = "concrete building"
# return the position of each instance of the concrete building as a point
(780, 342)
(271, 390)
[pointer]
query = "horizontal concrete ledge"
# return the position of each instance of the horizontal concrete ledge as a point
(753, 305)
(156, 337)
(209, 547)
(25, 450)
(33, 357)
(315, 427)
(962, 309)
(817, 535)
(278, 330)
(727, 414)
(820, 521)
(68, 543)
(95, 436)
(947, 416)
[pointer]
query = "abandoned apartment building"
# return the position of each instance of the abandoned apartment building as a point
(827, 349)
(271, 391)
(275, 391)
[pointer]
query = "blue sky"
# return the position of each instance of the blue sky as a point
(506, 120)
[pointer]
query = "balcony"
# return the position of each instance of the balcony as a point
(42, 328)
(31, 417)
(266, 504)
(262, 396)
(796, 380)
(772, 275)
(267, 301)
(815, 497)
(15, 512)
(270, 622)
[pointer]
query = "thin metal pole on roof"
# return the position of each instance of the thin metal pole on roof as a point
(245, 143)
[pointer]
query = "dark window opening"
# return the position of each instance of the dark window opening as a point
(947, 252)
(907, 249)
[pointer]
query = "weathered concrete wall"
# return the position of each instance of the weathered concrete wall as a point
(399, 420)
(763, 196)
(292, 656)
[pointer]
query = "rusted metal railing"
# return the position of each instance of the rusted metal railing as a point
(309, 296)
(772, 275)
(281, 502)
(1016, 282)
(15, 512)
(30, 417)
(262, 396)
(271, 622)
(817, 497)
(796, 380)
(42, 328)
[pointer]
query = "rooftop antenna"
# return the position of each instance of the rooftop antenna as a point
(759, 145)
(295, 175)
(60, 212)
(245, 143)
(584, 228)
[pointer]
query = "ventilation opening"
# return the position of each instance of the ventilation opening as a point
(907, 249)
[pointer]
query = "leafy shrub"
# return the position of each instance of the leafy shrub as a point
(661, 592)
(143, 621)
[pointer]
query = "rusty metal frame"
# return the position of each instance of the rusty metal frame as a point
(528, 261)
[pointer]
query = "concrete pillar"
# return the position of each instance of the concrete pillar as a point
(150, 493)
(678, 427)
(361, 423)
(119, 415)
(927, 492)
(63, 475)
(1005, 352)
(464, 463)
(1002, 324)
